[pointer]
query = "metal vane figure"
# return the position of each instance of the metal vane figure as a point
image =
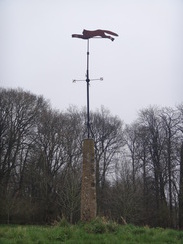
(87, 34)
(100, 33)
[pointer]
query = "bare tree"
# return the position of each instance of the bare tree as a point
(132, 143)
(68, 193)
(180, 108)
(108, 136)
(171, 121)
(150, 120)
(18, 111)
(50, 157)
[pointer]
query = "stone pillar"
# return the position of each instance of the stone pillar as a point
(88, 188)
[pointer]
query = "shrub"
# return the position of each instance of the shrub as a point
(100, 226)
(64, 223)
(61, 223)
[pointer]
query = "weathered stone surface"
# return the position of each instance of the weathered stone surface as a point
(88, 191)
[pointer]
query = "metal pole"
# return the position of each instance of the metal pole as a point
(88, 81)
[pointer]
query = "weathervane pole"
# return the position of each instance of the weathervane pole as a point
(86, 35)
(88, 84)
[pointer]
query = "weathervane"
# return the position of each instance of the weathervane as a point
(86, 35)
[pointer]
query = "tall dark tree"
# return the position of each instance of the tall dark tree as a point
(108, 136)
(150, 119)
(180, 108)
(181, 190)
(132, 143)
(170, 121)
(19, 112)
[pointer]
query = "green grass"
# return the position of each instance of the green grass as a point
(97, 231)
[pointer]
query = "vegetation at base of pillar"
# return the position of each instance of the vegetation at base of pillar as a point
(97, 231)
(138, 166)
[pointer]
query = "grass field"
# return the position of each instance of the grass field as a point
(97, 231)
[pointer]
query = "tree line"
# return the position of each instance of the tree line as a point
(139, 166)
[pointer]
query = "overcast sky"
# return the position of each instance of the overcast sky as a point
(142, 67)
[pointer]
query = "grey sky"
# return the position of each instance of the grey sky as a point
(142, 67)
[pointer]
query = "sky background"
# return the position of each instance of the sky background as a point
(142, 67)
